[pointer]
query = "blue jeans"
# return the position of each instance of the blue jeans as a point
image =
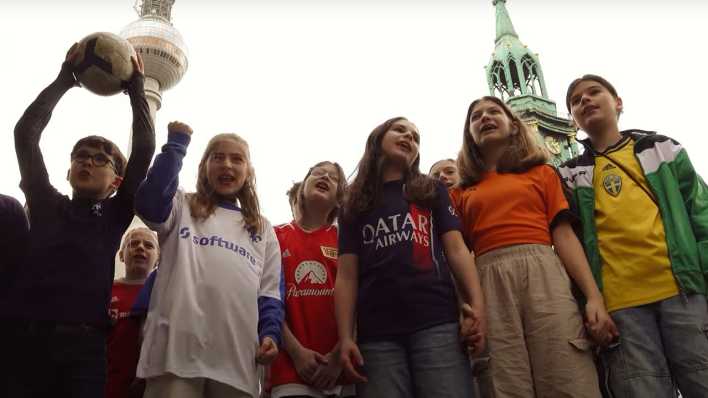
(426, 364)
(45, 359)
(662, 345)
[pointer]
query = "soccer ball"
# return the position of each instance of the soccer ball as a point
(103, 65)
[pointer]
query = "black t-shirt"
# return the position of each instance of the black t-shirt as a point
(13, 243)
(404, 280)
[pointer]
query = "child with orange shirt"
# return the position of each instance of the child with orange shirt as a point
(514, 214)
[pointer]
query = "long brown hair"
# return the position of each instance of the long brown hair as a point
(341, 190)
(203, 203)
(365, 191)
(521, 154)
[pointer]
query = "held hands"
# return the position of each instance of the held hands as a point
(327, 374)
(267, 351)
(307, 363)
(351, 361)
(598, 322)
(179, 127)
(473, 328)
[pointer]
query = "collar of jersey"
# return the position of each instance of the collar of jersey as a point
(322, 228)
(617, 145)
(229, 206)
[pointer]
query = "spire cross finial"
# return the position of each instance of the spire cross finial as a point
(504, 25)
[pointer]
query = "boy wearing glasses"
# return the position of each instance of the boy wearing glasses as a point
(139, 253)
(58, 317)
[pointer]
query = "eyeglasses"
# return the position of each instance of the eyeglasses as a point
(322, 172)
(98, 159)
(134, 243)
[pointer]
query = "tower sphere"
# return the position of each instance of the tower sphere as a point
(162, 48)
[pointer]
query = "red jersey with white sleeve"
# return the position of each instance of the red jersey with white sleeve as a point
(309, 272)
(123, 344)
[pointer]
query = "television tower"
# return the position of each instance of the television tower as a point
(164, 56)
(160, 45)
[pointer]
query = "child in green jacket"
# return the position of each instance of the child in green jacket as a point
(644, 216)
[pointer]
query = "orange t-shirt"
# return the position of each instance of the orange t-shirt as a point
(507, 209)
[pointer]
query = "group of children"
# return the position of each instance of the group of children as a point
(383, 286)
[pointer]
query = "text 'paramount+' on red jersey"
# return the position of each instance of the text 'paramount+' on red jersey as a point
(404, 280)
(309, 272)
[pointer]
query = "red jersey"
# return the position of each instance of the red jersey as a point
(309, 272)
(123, 345)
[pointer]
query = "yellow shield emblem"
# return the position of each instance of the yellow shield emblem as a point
(612, 184)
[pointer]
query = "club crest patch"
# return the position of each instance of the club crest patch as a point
(329, 252)
(612, 184)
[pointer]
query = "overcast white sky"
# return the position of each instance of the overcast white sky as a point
(305, 81)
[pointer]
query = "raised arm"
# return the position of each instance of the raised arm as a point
(30, 126)
(153, 200)
(143, 139)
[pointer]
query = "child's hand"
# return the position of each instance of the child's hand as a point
(267, 351)
(66, 75)
(72, 54)
(473, 328)
(136, 84)
(328, 372)
(351, 360)
(307, 362)
(138, 66)
(179, 127)
(601, 327)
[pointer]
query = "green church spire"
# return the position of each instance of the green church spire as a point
(514, 70)
(504, 25)
(514, 75)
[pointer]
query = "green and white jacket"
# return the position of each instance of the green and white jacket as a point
(681, 194)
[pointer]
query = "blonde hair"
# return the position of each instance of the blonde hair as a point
(130, 232)
(202, 203)
(521, 154)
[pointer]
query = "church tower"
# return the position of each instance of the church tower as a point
(514, 74)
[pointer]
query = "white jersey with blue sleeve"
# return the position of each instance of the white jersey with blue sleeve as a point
(203, 317)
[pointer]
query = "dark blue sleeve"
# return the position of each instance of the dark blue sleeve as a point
(153, 201)
(142, 302)
(13, 241)
(444, 215)
(271, 313)
(348, 240)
